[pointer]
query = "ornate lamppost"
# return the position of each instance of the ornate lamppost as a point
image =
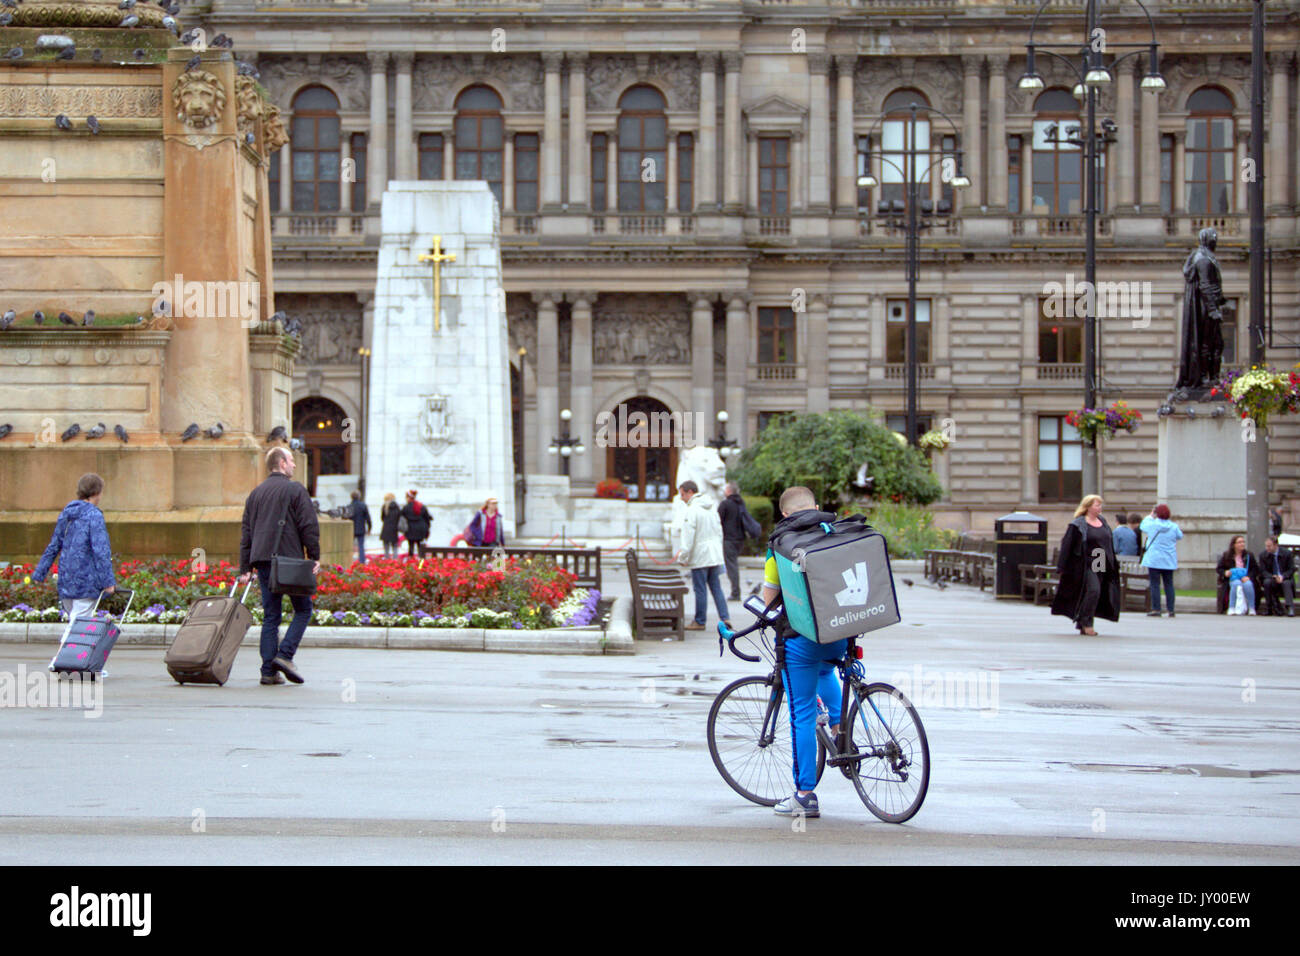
(566, 446)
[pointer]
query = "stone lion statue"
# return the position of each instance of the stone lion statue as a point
(273, 127)
(702, 465)
(200, 99)
(248, 104)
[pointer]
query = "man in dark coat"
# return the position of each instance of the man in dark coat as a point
(1074, 563)
(1202, 341)
(1277, 570)
(417, 523)
(262, 536)
(361, 525)
(732, 513)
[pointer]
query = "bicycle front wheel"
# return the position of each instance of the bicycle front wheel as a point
(749, 740)
(893, 781)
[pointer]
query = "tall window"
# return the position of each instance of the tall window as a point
(359, 162)
(599, 168)
(947, 169)
(1013, 173)
(1060, 460)
(1060, 335)
(896, 138)
(896, 330)
(1058, 166)
(774, 176)
(1167, 173)
(685, 172)
(315, 138)
(642, 151)
(273, 182)
(480, 134)
(864, 169)
(776, 337)
(769, 418)
(526, 167)
(1209, 151)
(430, 155)
(1229, 330)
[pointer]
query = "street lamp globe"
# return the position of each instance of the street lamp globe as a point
(868, 181)
(722, 416)
(566, 451)
(1097, 76)
(565, 414)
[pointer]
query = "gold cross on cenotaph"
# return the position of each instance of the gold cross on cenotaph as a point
(437, 257)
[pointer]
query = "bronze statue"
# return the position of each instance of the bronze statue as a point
(1202, 343)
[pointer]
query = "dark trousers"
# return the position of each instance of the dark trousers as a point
(710, 579)
(1154, 577)
(361, 548)
(730, 560)
(1089, 595)
(272, 609)
(412, 545)
(1274, 592)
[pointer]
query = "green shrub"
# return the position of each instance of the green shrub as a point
(764, 513)
(909, 529)
(817, 485)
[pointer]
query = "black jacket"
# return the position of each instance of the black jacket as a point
(417, 526)
(731, 513)
(360, 516)
(1228, 561)
(1072, 564)
(389, 514)
(266, 505)
(1285, 561)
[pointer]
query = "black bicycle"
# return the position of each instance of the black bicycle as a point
(886, 755)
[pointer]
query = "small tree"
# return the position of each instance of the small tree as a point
(834, 446)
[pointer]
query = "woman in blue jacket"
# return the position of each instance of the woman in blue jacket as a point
(1161, 556)
(80, 543)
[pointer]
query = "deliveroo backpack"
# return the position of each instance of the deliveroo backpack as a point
(835, 579)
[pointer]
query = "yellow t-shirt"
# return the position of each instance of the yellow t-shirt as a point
(770, 575)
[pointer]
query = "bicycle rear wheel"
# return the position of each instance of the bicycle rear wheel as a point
(892, 783)
(749, 740)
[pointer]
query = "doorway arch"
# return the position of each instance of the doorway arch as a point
(642, 448)
(319, 423)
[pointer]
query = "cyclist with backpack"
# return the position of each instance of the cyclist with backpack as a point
(737, 524)
(809, 666)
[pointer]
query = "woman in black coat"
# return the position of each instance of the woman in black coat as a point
(390, 513)
(1223, 574)
(417, 523)
(1082, 593)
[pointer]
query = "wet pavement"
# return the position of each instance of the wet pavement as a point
(1159, 741)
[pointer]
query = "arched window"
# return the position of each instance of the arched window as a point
(1057, 166)
(897, 136)
(315, 150)
(642, 151)
(1209, 151)
(319, 423)
(480, 133)
(644, 455)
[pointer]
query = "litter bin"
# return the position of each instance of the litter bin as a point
(1021, 539)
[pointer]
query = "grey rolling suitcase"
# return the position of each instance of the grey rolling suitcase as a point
(88, 640)
(204, 649)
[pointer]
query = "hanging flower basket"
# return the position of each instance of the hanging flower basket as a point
(1090, 422)
(1261, 392)
(934, 441)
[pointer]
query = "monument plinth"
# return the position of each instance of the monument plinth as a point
(440, 384)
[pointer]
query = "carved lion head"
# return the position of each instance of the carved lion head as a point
(200, 99)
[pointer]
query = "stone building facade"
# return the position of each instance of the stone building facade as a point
(683, 229)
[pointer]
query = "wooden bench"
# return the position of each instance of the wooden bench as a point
(1038, 582)
(1134, 587)
(658, 599)
(584, 563)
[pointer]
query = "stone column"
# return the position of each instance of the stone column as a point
(973, 195)
(345, 188)
(1149, 145)
(819, 134)
(548, 380)
(1027, 173)
(816, 356)
(997, 196)
(403, 136)
(611, 173)
(449, 154)
(706, 167)
(1278, 171)
(1121, 157)
(550, 172)
(579, 153)
(846, 149)
(751, 150)
(798, 160)
(670, 188)
(286, 178)
(582, 467)
(377, 140)
(737, 365)
(702, 358)
(1179, 198)
(1240, 194)
(734, 157)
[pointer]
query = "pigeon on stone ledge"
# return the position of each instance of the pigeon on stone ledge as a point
(67, 53)
(67, 319)
(96, 432)
(131, 21)
(126, 4)
(6, 18)
(88, 318)
(120, 432)
(7, 320)
(93, 125)
(191, 432)
(277, 434)
(295, 444)
(216, 431)
(38, 317)
(223, 42)
(62, 122)
(15, 54)
(5, 429)
(194, 62)
(71, 433)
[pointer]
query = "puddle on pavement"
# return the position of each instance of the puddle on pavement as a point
(1065, 705)
(325, 753)
(1192, 770)
(604, 742)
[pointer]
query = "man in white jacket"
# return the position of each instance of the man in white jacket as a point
(700, 549)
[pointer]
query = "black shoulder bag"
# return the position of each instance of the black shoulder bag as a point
(294, 576)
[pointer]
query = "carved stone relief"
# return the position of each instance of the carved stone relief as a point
(200, 99)
(285, 76)
(121, 101)
(680, 75)
(331, 327)
(434, 77)
(521, 323)
(940, 78)
(641, 330)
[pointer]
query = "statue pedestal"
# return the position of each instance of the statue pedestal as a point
(1201, 476)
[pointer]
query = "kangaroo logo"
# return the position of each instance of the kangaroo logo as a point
(855, 581)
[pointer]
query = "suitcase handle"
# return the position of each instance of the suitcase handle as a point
(130, 596)
(246, 588)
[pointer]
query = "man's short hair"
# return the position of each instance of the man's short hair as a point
(1270, 538)
(1134, 519)
(89, 485)
(274, 457)
(796, 498)
(730, 488)
(690, 486)
(1121, 518)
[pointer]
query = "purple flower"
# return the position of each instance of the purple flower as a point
(338, 615)
(517, 625)
(420, 613)
(22, 607)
